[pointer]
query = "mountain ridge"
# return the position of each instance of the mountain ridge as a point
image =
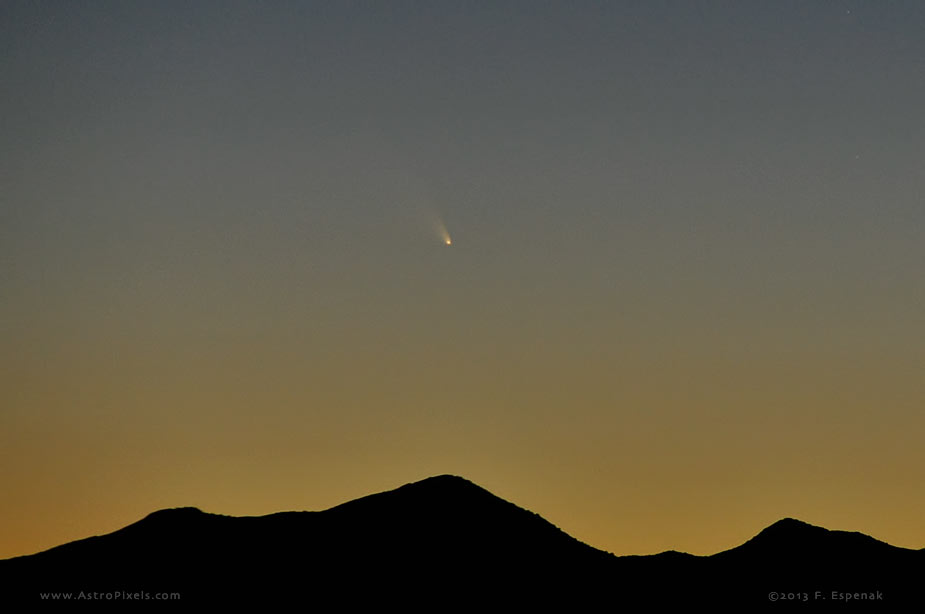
(446, 536)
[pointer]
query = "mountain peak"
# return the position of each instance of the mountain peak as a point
(787, 534)
(794, 542)
(790, 526)
(445, 480)
(443, 484)
(175, 512)
(440, 492)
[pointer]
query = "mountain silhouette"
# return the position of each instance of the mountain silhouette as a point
(446, 543)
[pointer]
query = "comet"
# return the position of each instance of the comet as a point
(443, 233)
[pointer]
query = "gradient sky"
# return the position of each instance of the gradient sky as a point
(685, 296)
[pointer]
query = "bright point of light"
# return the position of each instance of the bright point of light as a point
(448, 241)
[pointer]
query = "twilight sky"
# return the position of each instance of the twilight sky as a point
(685, 296)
